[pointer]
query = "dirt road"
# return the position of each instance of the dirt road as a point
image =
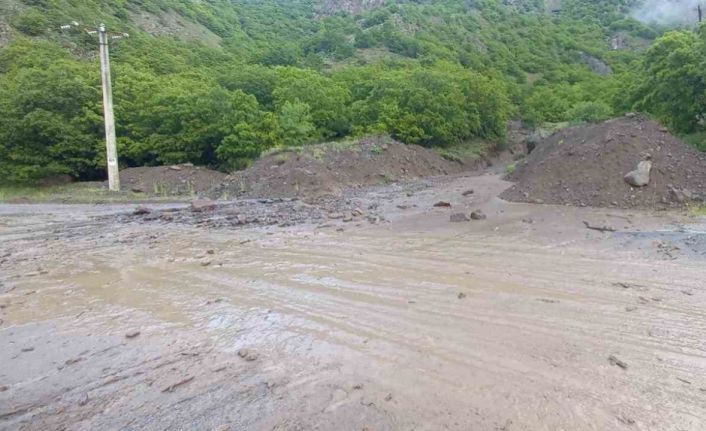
(526, 320)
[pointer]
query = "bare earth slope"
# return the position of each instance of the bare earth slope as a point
(328, 169)
(585, 166)
(171, 180)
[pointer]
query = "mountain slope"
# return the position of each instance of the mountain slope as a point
(217, 82)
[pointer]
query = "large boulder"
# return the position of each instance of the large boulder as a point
(640, 177)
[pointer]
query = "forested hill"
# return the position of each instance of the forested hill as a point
(217, 82)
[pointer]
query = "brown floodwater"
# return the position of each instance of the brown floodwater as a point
(523, 321)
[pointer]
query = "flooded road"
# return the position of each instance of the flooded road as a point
(526, 320)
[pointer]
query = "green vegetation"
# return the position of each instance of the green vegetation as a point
(219, 82)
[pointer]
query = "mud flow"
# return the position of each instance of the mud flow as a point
(532, 317)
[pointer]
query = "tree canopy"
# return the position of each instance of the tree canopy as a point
(218, 82)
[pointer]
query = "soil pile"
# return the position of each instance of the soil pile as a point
(185, 179)
(327, 169)
(586, 165)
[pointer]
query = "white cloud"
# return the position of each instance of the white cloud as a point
(669, 12)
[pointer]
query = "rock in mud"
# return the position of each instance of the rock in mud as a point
(478, 215)
(142, 210)
(202, 205)
(640, 177)
(458, 218)
(617, 362)
(247, 354)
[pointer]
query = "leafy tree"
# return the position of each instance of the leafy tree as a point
(295, 123)
(326, 99)
(674, 85)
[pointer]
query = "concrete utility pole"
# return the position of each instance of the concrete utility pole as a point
(700, 12)
(110, 145)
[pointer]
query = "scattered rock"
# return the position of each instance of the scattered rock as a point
(442, 204)
(478, 215)
(630, 308)
(142, 210)
(617, 362)
(388, 397)
(205, 262)
(132, 334)
(468, 192)
(458, 218)
(83, 400)
(547, 300)
(598, 228)
(73, 361)
(626, 420)
(27, 349)
(175, 167)
(248, 354)
(357, 386)
(528, 220)
(202, 205)
(640, 177)
(461, 295)
(219, 368)
(336, 216)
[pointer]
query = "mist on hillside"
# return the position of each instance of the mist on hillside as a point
(669, 12)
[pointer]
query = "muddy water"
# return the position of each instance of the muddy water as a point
(523, 321)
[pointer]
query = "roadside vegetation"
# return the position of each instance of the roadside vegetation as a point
(258, 76)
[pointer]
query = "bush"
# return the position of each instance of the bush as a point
(32, 23)
(591, 112)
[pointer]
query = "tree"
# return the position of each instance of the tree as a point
(674, 87)
(49, 122)
(326, 99)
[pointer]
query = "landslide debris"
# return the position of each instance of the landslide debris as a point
(594, 165)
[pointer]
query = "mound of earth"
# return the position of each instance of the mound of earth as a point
(327, 169)
(185, 179)
(586, 165)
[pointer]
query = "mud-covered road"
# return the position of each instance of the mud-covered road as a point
(525, 320)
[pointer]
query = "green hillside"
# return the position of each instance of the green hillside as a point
(217, 82)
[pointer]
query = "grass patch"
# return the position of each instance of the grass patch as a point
(698, 211)
(466, 152)
(71, 193)
(697, 140)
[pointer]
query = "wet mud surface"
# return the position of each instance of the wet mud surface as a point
(524, 320)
